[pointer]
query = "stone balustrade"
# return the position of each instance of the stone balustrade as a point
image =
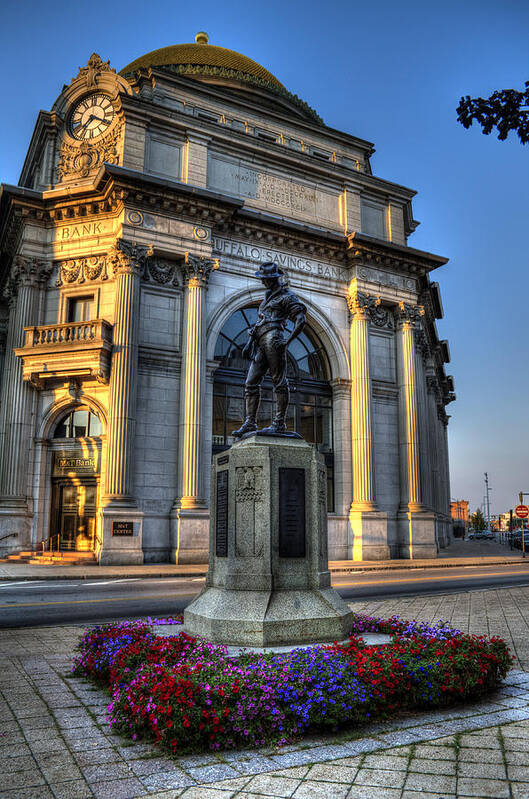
(79, 350)
(69, 333)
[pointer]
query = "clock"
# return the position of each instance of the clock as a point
(91, 117)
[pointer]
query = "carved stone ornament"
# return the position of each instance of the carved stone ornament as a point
(360, 303)
(409, 314)
(128, 256)
(249, 484)
(79, 270)
(421, 343)
(162, 272)
(93, 70)
(368, 305)
(322, 487)
(432, 385)
(197, 269)
(382, 317)
(26, 271)
(79, 160)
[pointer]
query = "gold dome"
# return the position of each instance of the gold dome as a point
(203, 54)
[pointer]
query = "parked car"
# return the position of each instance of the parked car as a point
(517, 540)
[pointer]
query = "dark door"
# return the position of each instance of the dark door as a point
(76, 514)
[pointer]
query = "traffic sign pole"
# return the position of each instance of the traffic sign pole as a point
(522, 511)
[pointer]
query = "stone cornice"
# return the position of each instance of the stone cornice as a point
(363, 249)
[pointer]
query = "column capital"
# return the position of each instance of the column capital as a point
(26, 271)
(128, 257)
(360, 303)
(408, 315)
(368, 306)
(197, 269)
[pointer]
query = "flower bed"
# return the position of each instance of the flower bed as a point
(187, 694)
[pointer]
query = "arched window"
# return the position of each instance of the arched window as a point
(310, 409)
(80, 423)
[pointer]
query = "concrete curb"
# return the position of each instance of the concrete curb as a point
(336, 567)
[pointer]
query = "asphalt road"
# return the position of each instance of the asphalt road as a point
(32, 603)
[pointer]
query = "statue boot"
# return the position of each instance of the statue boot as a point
(250, 423)
(279, 425)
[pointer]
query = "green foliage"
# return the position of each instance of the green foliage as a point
(477, 521)
(506, 110)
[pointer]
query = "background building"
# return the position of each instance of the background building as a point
(146, 201)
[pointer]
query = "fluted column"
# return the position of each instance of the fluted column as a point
(411, 494)
(128, 260)
(26, 280)
(361, 403)
(193, 381)
(367, 525)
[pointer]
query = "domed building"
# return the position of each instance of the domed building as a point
(146, 202)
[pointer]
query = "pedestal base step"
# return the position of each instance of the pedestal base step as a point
(265, 618)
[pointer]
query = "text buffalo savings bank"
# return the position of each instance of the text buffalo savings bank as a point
(146, 201)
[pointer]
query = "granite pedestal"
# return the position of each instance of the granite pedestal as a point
(268, 581)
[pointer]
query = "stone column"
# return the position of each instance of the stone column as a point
(421, 356)
(415, 524)
(118, 546)
(340, 543)
(190, 517)
(433, 437)
(27, 279)
(446, 478)
(369, 526)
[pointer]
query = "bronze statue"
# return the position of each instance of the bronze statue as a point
(267, 350)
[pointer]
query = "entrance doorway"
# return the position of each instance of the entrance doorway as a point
(74, 515)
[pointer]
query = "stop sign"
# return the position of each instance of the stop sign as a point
(522, 511)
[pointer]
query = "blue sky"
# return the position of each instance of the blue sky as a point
(388, 72)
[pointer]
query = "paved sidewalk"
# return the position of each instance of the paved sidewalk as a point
(460, 553)
(55, 744)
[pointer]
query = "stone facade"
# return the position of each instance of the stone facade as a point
(126, 251)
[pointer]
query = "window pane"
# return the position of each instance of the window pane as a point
(80, 424)
(307, 423)
(374, 220)
(80, 309)
(95, 426)
(62, 429)
(218, 420)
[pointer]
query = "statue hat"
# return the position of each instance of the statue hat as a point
(270, 269)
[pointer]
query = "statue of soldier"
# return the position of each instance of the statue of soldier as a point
(267, 350)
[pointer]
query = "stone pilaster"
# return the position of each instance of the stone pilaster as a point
(23, 289)
(190, 514)
(340, 542)
(127, 260)
(368, 525)
(415, 523)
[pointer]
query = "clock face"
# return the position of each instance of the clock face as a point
(91, 117)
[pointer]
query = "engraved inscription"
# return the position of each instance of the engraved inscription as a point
(297, 263)
(292, 513)
(221, 530)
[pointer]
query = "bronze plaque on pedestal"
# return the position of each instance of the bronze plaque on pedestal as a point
(221, 530)
(122, 528)
(291, 513)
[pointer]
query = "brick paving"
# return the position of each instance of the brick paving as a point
(55, 743)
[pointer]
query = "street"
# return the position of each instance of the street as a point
(29, 603)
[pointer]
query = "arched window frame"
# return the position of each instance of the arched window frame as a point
(311, 393)
(93, 427)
